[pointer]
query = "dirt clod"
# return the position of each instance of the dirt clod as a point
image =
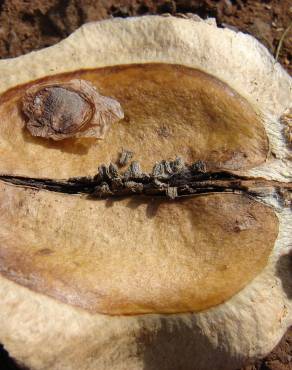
(44, 22)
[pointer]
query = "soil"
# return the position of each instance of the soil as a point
(30, 25)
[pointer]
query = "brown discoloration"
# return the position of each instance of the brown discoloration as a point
(44, 252)
(141, 256)
(71, 109)
(205, 120)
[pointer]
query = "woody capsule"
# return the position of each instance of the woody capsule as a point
(145, 195)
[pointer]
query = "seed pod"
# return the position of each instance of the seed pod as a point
(189, 263)
(70, 109)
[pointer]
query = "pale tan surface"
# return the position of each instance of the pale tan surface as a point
(169, 111)
(134, 255)
(233, 58)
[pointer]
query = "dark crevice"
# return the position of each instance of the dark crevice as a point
(6, 362)
(80, 13)
(168, 178)
(48, 27)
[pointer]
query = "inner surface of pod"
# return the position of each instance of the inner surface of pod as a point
(170, 111)
(134, 255)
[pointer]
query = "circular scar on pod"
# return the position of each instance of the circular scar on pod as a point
(70, 109)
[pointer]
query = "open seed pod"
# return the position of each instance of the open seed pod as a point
(177, 260)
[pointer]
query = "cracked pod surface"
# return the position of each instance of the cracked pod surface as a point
(143, 255)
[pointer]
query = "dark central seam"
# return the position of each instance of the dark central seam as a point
(170, 179)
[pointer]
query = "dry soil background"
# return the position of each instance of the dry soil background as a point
(27, 25)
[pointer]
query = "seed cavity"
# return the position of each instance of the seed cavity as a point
(70, 109)
(169, 179)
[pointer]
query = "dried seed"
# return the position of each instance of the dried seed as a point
(125, 157)
(135, 187)
(178, 165)
(162, 169)
(199, 166)
(69, 109)
(134, 171)
(113, 171)
(102, 190)
(103, 173)
(171, 192)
